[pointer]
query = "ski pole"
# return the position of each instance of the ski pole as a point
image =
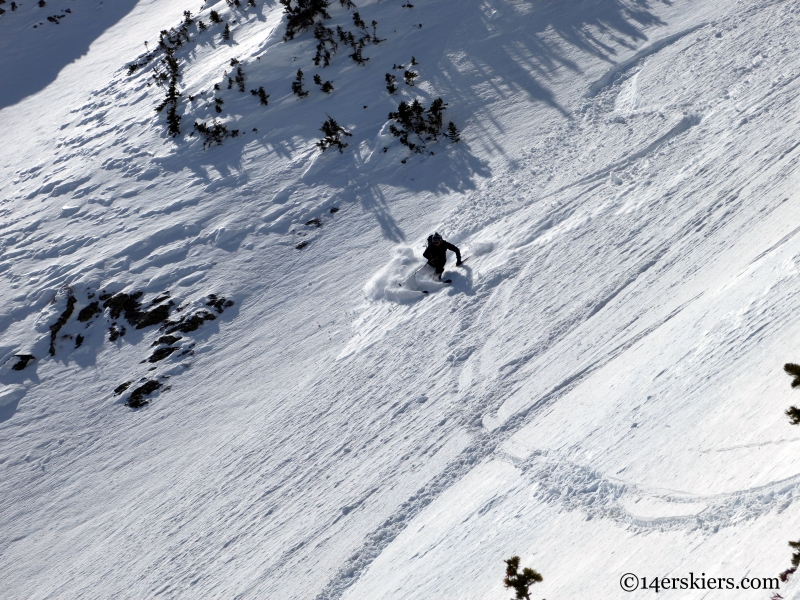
(412, 275)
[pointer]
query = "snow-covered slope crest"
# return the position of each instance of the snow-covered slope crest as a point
(599, 390)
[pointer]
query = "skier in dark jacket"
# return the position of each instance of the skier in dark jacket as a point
(436, 253)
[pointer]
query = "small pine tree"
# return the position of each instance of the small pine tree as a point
(414, 62)
(795, 561)
(201, 26)
(793, 370)
(215, 133)
(226, 35)
(187, 17)
(251, 3)
(356, 56)
(317, 79)
(358, 21)
(347, 3)
(42, 3)
(327, 87)
(218, 102)
(215, 18)
(262, 95)
(302, 15)
(240, 79)
(410, 76)
(390, 83)
(333, 132)
(521, 582)
(452, 133)
(375, 38)
(297, 85)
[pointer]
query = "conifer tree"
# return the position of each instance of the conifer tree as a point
(215, 18)
(358, 21)
(240, 79)
(452, 133)
(297, 85)
(410, 76)
(793, 370)
(795, 561)
(326, 45)
(201, 26)
(218, 102)
(347, 4)
(262, 95)
(356, 56)
(520, 582)
(390, 83)
(226, 35)
(333, 132)
(214, 134)
(302, 15)
(375, 38)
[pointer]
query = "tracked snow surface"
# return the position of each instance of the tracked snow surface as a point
(213, 385)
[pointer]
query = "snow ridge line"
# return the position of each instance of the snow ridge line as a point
(577, 487)
(483, 446)
(687, 122)
(620, 68)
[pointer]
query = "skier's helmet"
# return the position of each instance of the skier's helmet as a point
(436, 238)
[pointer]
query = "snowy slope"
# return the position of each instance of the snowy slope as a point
(599, 391)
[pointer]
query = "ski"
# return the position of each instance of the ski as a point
(445, 282)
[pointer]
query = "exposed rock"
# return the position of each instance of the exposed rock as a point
(129, 306)
(187, 324)
(87, 312)
(167, 339)
(162, 353)
(61, 322)
(24, 359)
(219, 303)
(122, 387)
(114, 333)
(137, 396)
(156, 316)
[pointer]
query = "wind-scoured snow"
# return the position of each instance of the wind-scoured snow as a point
(599, 391)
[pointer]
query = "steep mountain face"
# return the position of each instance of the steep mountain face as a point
(214, 385)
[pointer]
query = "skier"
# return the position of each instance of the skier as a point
(436, 253)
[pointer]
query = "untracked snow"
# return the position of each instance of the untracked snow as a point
(286, 415)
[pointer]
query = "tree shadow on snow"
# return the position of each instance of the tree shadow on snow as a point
(33, 57)
(488, 53)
